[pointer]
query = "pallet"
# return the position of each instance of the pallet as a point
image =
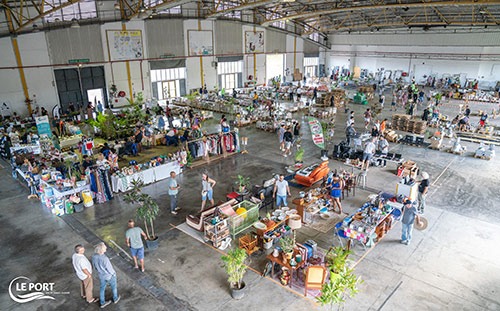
(482, 157)
(454, 152)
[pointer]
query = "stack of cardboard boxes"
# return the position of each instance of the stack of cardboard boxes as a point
(297, 76)
(408, 168)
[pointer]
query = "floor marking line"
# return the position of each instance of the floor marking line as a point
(444, 170)
(124, 251)
(390, 295)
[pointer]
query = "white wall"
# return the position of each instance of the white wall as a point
(40, 81)
(194, 71)
(248, 59)
(299, 54)
(118, 70)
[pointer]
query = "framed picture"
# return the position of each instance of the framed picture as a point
(254, 42)
(124, 44)
(200, 42)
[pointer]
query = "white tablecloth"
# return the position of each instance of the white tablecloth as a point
(59, 194)
(123, 184)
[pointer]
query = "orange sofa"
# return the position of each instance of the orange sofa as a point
(307, 176)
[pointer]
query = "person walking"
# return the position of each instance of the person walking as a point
(207, 192)
(288, 138)
(173, 190)
(281, 133)
(133, 238)
(336, 192)
(83, 270)
(407, 220)
(107, 274)
(350, 133)
(368, 154)
(423, 189)
(280, 191)
(368, 117)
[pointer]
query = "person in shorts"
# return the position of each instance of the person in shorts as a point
(134, 241)
(368, 153)
(281, 189)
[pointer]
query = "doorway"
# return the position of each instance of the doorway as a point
(275, 66)
(96, 97)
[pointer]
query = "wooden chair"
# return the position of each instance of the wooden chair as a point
(315, 277)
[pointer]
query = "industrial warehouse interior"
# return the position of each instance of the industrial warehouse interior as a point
(250, 155)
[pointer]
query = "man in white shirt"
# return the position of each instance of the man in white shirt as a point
(368, 153)
(83, 270)
(281, 189)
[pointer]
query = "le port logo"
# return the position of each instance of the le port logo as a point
(23, 290)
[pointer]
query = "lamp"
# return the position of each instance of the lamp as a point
(294, 222)
(74, 23)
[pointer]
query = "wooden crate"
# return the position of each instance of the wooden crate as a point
(249, 243)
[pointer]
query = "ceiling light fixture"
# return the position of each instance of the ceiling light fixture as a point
(35, 28)
(117, 5)
(74, 23)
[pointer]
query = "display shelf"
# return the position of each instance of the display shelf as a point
(216, 233)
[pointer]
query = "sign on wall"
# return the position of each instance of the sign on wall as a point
(200, 42)
(124, 44)
(254, 42)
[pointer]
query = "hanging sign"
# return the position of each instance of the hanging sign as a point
(43, 126)
(317, 132)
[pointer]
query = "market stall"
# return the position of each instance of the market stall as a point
(122, 181)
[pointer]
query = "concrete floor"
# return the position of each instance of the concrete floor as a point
(453, 265)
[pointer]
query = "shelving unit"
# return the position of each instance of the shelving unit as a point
(216, 233)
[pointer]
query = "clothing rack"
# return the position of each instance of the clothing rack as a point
(222, 144)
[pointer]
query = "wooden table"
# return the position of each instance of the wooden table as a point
(280, 262)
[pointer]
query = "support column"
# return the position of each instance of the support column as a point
(202, 74)
(129, 76)
(19, 61)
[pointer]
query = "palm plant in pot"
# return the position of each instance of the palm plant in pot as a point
(147, 210)
(287, 245)
(242, 182)
(234, 264)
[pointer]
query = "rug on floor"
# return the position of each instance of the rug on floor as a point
(325, 225)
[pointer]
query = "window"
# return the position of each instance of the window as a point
(230, 74)
(168, 83)
(84, 9)
(278, 24)
(314, 36)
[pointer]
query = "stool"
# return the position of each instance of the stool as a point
(362, 179)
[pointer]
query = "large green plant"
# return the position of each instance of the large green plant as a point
(343, 282)
(234, 264)
(147, 209)
(106, 124)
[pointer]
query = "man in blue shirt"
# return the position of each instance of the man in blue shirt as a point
(407, 220)
(107, 274)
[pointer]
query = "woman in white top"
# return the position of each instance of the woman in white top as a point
(207, 184)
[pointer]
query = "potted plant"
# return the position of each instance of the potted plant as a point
(343, 282)
(287, 245)
(234, 264)
(147, 210)
(242, 183)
